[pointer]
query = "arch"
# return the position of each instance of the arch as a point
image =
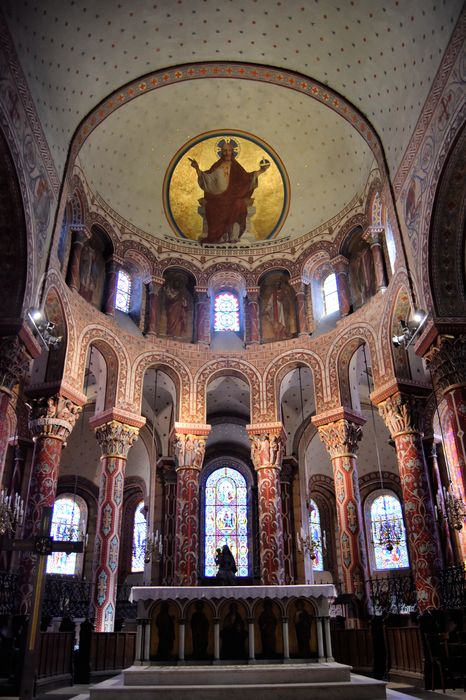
(217, 368)
(446, 253)
(176, 370)
(117, 360)
(339, 357)
(281, 366)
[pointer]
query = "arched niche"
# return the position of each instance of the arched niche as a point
(101, 376)
(14, 254)
(228, 401)
(296, 400)
(54, 313)
(176, 305)
(92, 270)
(159, 402)
(277, 307)
(361, 273)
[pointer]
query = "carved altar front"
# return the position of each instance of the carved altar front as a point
(213, 623)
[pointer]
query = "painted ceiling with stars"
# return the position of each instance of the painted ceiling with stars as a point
(380, 56)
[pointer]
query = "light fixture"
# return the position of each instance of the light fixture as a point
(43, 329)
(11, 512)
(410, 328)
(153, 547)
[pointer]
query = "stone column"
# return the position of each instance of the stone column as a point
(79, 238)
(320, 640)
(340, 432)
(287, 474)
(402, 414)
(328, 639)
(202, 316)
(111, 279)
(373, 236)
(16, 353)
(267, 447)
(340, 265)
(252, 324)
(300, 291)
(447, 363)
(167, 474)
(153, 289)
(188, 440)
(286, 638)
(51, 422)
(115, 434)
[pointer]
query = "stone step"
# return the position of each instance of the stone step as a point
(242, 674)
(358, 688)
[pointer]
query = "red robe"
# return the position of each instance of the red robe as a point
(231, 206)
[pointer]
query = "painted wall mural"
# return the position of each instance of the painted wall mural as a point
(277, 308)
(226, 187)
(176, 306)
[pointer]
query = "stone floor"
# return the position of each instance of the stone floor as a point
(395, 691)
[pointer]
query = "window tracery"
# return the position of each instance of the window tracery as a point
(139, 539)
(226, 312)
(68, 524)
(384, 511)
(123, 293)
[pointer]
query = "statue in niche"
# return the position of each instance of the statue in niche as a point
(268, 627)
(199, 632)
(302, 623)
(228, 189)
(177, 307)
(165, 624)
(233, 634)
(278, 310)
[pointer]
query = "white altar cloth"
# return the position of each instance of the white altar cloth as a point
(139, 593)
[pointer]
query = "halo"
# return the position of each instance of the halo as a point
(227, 139)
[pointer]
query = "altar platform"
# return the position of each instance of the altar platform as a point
(240, 642)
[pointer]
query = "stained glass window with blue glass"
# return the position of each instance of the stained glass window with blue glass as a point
(226, 518)
(226, 312)
(66, 525)
(386, 516)
(123, 294)
(139, 539)
(316, 534)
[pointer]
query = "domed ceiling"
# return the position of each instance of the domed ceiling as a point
(381, 57)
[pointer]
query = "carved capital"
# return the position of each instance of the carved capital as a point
(446, 359)
(14, 362)
(53, 416)
(402, 413)
(189, 449)
(116, 438)
(340, 437)
(267, 449)
(373, 235)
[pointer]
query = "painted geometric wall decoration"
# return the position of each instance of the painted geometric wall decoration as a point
(226, 518)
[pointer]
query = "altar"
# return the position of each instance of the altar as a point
(241, 623)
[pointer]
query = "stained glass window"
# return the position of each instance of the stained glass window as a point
(67, 524)
(316, 534)
(226, 518)
(226, 312)
(330, 294)
(386, 515)
(123, 294)
(139, 539)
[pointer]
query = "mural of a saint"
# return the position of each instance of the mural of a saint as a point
(278, 312)
(176, 307)
(228, 189)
